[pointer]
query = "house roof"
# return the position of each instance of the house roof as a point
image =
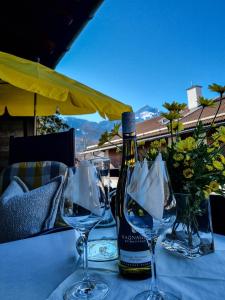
(189, 119)
(156, 127)
(43, 29)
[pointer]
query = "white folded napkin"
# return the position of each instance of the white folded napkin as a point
(147, 186)
(86, 188)
(137, 179)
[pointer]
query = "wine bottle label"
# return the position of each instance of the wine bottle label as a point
(135, 259)
(133, 248)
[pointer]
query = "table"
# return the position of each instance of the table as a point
(31, 269)
(34, 267)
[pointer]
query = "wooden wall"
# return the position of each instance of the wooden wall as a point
(16, 126)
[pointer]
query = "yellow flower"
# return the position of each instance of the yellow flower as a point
(163, 143)
(210, 149)
(221, 138)
(221, 158)
(207, 192)
(187, 157)
(153, 151)
(141, 143)
(216, 144)
(220, 134)
(209, 167)
(188, 173)
(218, 165)
(176, 165)
(214, 186)
(155, 144)
(187, 162)
(186, 145)
(140, 213)
(221, 130)
(178, 157)
(177, 126)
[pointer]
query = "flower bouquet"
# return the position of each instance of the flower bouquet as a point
(196, 166)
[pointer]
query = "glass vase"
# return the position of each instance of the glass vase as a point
(191, 234)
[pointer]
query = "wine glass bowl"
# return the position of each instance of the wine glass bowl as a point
(83, 210)
(103, 166)
(143, 221)
(150, 209)
(102, 243)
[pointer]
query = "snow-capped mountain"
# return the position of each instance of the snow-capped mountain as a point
(146, 113)
(88, 133)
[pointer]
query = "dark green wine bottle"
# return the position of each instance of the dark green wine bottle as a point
(134, 255)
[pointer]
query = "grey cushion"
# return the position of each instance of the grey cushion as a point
(15, 188)
(26, 212)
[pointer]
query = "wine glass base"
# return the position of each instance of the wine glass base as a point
(88, 289)
(150, 295)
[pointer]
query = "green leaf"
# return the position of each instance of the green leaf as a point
(172, 115)
(108, 136)
(204, 102)
(174, 106)
(217, 88)
(103, 138)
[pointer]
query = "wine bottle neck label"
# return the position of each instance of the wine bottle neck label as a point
(129, 136)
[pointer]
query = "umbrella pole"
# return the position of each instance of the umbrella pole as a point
(35, 114)
(35, 107)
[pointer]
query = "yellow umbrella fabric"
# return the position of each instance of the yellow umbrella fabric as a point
(21, 79)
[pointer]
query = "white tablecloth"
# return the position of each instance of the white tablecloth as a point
(40, 267)
(31, 269)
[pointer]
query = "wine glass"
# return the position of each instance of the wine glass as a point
(103, 166)
(102, 243)
(83, 211)
(149, 208)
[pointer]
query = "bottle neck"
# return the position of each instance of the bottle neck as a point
(129, 149)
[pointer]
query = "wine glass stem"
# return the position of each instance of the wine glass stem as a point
(85, 257)
(151, 244)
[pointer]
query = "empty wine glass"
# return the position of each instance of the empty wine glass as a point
(83, 210)
(102, 243)
(149, 208)
(102, 164)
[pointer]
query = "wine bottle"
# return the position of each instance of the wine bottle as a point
(134, 255)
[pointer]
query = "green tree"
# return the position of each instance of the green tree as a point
(51, 124)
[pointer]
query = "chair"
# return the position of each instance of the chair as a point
(34, 174)
(50, 147)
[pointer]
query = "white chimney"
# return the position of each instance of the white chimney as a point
(193, 93)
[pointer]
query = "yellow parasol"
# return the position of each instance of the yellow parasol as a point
(30, 89)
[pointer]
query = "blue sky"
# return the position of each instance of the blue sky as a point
(150, 51)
